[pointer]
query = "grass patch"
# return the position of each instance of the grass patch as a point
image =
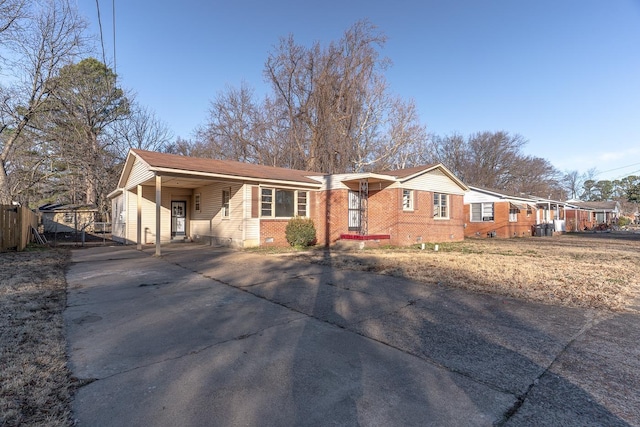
(582, 271)
(36, 384)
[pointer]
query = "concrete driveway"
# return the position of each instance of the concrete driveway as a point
(205, 336)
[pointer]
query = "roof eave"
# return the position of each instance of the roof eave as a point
(235, 177)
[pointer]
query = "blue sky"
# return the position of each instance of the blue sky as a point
(565, 74)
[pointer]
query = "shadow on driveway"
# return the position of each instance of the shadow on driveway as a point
(206, 336)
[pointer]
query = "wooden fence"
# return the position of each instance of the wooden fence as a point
(15, 227)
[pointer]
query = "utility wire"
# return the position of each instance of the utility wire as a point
(621, 167)
(113, 11)
(104, 59)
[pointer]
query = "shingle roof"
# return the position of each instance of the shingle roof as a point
(223, 167)
(596, 205)
(403, 173)
(502, 192)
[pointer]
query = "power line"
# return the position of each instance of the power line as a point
(621, 167)
(104, 59)
(113, 11)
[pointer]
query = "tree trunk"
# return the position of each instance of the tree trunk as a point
(5, 193)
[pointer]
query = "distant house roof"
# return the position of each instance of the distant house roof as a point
(606, 206)
(164, 161)
(58, 207)
(505, 195)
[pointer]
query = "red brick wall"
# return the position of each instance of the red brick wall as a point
(584, 220)
(274, 231)
(501, 225)
(329, 214)
(329, 211)
(421, 222)
(385, 216)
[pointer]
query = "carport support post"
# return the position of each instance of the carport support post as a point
(139, 222)
(158, 206)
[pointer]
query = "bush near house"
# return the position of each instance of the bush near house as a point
(300, 232)
(623, 221)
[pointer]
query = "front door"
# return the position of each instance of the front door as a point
(178, 219)
(355, 211)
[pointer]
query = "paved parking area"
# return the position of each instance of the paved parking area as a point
(206, 336)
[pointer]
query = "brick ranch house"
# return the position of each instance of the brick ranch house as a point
(491, 213)
(243, 205)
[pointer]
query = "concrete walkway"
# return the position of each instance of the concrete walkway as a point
(206, 336)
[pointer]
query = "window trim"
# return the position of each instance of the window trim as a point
(437, 207)
(513, 214)
(272, 203)
(482, 212)
(197, 202)
(407, 200)
(226, 210)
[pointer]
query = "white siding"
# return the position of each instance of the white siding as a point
(148, 216)
(209, 225)
(478, 197)
(433, 181)
(139, 174)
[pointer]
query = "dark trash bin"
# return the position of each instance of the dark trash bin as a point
(549, 230)
(539, 232)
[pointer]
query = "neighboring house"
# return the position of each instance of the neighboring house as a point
(551, 213)
(492, 213)
(599, 213)
(243, 205)
(58, 218)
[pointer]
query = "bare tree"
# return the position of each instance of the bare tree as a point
(11, 13)
(233, 128)
(50, 37)
(335, 103)
(572, 182)
(493, 156)
(535, 176)
(404, 143)
(139, 129)
(495, 160)
(452, 151)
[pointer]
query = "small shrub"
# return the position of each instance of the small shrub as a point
(623, 221)
(300, 232)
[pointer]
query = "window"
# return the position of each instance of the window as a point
(440, 205)
(481, 212)
(267, 202)
(407, 200)
(280, 203)
(529, 211)
(196, 202)
(284, 203)
(302, 203)
(226, 196)
(513, 214)
(68, 218)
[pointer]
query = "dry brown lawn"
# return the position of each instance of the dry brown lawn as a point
(585, 270)
(35, 383)
(601, 271)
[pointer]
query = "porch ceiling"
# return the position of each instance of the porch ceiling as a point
(179, 181)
